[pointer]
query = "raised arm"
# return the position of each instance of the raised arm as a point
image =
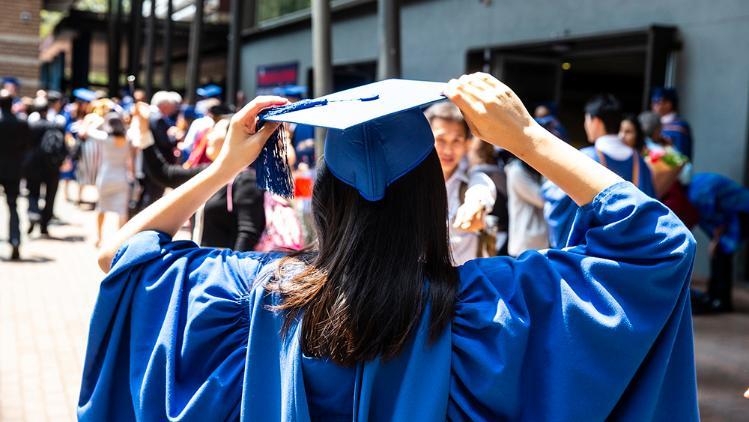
(495, 114)
(242, 146)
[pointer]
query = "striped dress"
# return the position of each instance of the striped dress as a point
(89, 160)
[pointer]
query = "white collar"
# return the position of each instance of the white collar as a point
(459, 175)
(668, 118)
(614, 147)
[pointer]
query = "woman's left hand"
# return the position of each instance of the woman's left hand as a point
(243, 144)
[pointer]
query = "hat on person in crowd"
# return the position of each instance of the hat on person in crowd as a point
(290, 91)
(210, 90)
(668, 94)
(84, 94)
(11, 80)
(377, 133)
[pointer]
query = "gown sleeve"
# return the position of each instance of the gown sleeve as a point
(599, 330)
(559, 212)
(169, 332)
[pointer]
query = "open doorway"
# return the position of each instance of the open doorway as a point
(564, 74)
(347, 76)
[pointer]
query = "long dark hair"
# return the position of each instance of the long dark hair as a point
(377, 265)
(639, 133)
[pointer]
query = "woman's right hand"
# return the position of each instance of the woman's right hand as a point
(494, 113)
(492, 110)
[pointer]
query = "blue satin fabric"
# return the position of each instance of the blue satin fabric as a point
(560, 209)
(599, 330)
(719, 202)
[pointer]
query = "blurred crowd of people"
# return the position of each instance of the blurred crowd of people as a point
(119, 155)
(129, 150)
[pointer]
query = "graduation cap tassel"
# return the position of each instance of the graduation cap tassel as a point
(272, 166)
(273, 171)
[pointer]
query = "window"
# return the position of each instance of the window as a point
(269, 9)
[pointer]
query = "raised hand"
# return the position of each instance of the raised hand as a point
(243, 144)
(494, 113)
(492, 110)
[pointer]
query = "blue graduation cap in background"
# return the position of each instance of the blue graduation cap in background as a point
(377, 134)
(210, 90)
(11, 80)
(84, 94)
(292, 91)
(661, 93)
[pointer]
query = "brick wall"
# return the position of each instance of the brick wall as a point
(19, 42)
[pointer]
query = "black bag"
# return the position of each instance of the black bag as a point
(53, 147)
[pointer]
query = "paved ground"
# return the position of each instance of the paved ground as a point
(46, 300)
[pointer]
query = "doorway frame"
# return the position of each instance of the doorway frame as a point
(660, 45)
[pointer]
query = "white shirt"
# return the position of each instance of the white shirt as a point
(464, 245)
(614, 147)
(196, 127)
(527, 227)
(140, 142)
(52, 116)
(668, 118)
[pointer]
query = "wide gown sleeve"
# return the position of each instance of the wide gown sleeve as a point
(600, 330)
(169, 332)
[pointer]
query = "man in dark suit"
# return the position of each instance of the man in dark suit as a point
(42, 167)
(14, 141)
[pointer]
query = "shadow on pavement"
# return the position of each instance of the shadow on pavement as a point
(70, 238)
(28, 260)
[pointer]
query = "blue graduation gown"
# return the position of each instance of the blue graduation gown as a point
(599, 330)
(560, 209)
(719, 201)
(680, 134)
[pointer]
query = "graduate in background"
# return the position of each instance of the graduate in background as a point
(676, 130)
(602, 120)
(470, 195)
(375, 323)
(723, 209)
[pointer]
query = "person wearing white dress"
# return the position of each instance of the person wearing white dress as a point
(113, 178)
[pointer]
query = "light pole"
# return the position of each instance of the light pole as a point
(388, 17)
(193, 54)
(321, 60)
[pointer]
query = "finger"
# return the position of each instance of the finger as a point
(465, 100)
(481, 90)
(469, 92)
(491, 80)
(478, 82)
(251, 110)
(263, 102)
(250, 126)
(471, 127)
(267, 130)
(457, 98)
